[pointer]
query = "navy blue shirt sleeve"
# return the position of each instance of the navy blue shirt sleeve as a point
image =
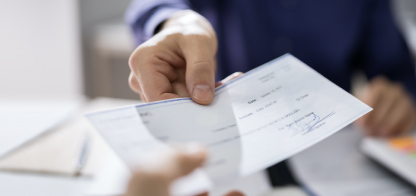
(143, 16)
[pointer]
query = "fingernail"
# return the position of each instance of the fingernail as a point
(202, 92)
(219, 83)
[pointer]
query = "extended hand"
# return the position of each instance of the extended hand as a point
(155, 178)
(177, 62)
(394, 112)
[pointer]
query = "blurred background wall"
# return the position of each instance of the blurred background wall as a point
(39, 49)
(107, 45)
(64, 49)
(70, 48)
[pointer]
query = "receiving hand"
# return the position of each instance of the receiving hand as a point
(155, 178)
(394, 112)
(179, 61)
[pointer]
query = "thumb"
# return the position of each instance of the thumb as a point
(200, 70)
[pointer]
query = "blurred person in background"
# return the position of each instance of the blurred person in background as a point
(185, 44)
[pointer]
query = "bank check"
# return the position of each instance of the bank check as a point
(267, 115)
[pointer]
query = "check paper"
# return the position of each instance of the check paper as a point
(255, 121)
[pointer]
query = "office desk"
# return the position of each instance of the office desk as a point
(24, 184)
(36, 169)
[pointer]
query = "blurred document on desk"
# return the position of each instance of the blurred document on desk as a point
(57, 151)
(336, 166)
(255, 121)
(21, 121)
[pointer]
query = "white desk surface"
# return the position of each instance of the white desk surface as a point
(15, 184)
(20, 184)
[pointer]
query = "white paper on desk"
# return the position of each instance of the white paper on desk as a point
(255, 121)
(57, 151)
(22, 121)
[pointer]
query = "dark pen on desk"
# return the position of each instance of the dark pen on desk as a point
(83, 154)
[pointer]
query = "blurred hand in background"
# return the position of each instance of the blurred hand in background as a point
(394, 112)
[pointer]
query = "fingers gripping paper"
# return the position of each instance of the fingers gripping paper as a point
(255, 121)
